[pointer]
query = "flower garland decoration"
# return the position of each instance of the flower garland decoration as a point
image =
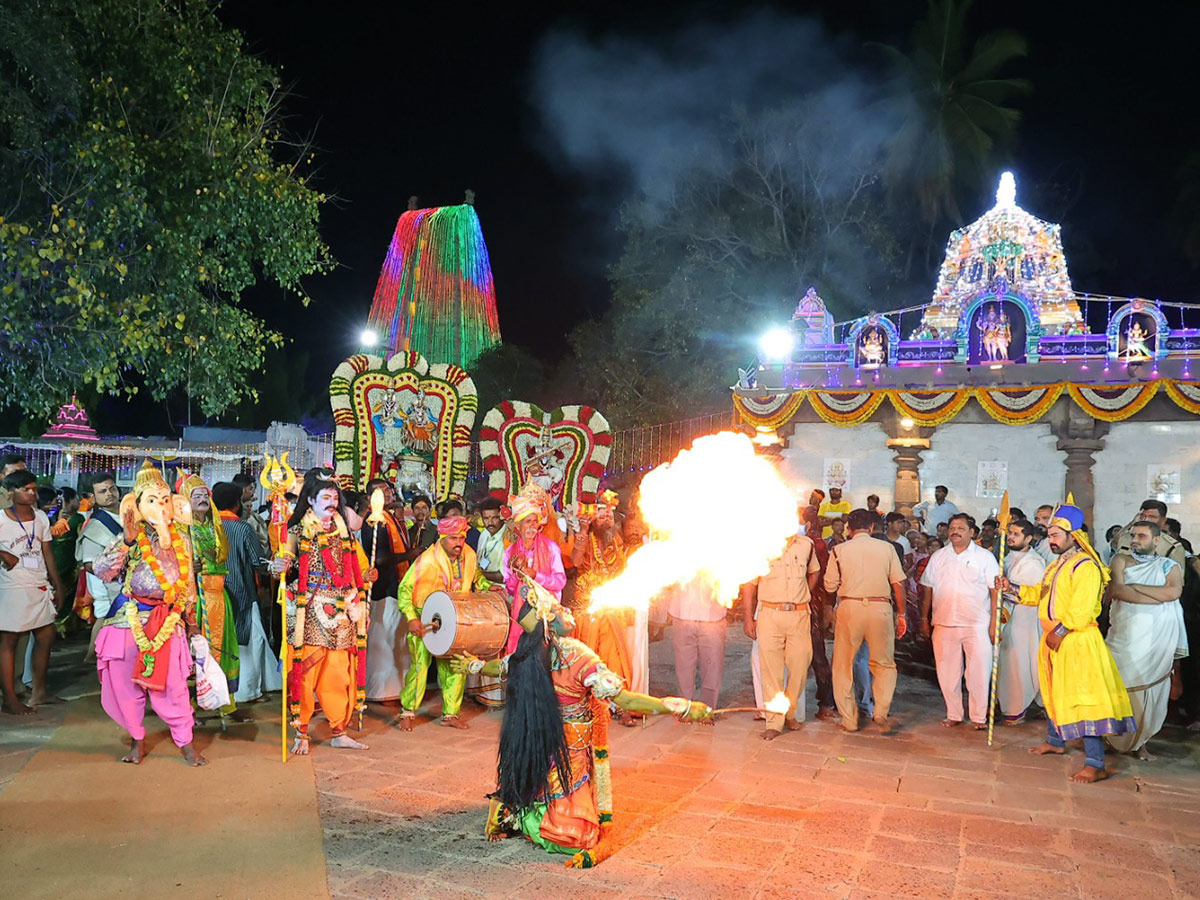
(1113, 404)
(845, 408)
(150, 646)
(1019, 407)
(1185, 395)
(929, 407)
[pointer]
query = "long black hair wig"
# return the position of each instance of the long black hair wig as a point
(316, 480)
(531, 737)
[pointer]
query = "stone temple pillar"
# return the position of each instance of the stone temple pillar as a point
(907, 445)
(1081, 437)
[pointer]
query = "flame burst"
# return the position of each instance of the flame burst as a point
(693, 539)
(778, 704)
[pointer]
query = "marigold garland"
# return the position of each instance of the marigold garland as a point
(929, 412)
(825, 404)
(995, 407)
(1090, 399)
(170, 593)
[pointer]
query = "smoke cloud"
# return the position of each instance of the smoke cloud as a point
(649, 108)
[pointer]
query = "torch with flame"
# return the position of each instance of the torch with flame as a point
(690, 543)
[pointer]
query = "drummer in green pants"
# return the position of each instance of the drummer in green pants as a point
(449, 565)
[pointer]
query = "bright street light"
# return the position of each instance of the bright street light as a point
(368, 338)
(776, 344)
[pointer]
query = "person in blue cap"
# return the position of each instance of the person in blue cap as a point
(1081, 686)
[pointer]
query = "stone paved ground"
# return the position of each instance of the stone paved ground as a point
(715, 812)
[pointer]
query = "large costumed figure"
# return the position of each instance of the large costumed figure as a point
(554, 775)
(1081, 687)
(214, 608)
(326, 613)
(142, 649)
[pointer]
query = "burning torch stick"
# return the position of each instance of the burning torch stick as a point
(1004, 518)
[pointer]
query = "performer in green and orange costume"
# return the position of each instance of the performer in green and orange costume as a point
(449, 565)
(214, 608)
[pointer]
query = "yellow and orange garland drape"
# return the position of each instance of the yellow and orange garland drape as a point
(1010, 406)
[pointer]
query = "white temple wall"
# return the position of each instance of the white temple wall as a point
(1036, 471)
(863, 448)
(1120, 471)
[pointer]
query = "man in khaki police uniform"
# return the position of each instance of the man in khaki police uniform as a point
(869, 581)
(782, 628)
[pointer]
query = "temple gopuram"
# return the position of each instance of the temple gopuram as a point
(1008, 379)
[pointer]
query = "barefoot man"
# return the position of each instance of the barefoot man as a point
(141, 651)
(1081, 687)
(326, 614)
(451, 566)
(1147, 633)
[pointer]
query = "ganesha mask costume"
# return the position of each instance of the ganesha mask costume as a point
(141, 650)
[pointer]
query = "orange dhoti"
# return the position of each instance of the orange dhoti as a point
(327, 676)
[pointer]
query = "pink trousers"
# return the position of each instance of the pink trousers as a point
(125, 702)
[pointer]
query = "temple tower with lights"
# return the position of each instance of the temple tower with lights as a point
(1005, 253)
(435, 294)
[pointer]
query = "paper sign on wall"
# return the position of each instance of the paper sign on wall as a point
(1163, 483)
(991, 478)
(835, 474)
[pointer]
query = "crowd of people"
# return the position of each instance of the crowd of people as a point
(162, 579)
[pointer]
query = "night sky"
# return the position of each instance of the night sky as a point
(431, 99)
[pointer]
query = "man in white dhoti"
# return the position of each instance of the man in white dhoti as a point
(1146, 633)
(1017, 684)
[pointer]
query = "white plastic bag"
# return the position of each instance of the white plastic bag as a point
(212, 690)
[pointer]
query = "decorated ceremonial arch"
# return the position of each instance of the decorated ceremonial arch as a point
(404, 419)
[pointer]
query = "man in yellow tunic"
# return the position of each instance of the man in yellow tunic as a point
(1081, 686)
(449, 565)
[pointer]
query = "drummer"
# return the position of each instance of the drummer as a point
(449, 565)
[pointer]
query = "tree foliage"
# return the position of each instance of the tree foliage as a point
(957, 112)
(783, 199)
(146, 182)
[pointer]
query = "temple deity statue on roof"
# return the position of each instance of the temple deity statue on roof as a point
(1006, 250)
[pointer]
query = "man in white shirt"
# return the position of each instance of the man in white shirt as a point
(959, 586)
(101, 529)
(490, 549)
(698, 631)
(1017, 679)
(938, 512)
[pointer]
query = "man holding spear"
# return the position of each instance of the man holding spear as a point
(1081, 686)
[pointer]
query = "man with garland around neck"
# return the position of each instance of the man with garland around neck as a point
(1081, 687)
(214, 609)
(326, 614)
(449, 565)
(554, 775)
(141, 650)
